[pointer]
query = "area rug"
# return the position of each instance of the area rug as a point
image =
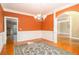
(39, 49)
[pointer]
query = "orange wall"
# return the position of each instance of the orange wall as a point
(30, 23)
(1, 19)
(25, 22)
(73, 8)
(48, 23)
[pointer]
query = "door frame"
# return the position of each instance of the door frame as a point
(5, 30)
(55, 28)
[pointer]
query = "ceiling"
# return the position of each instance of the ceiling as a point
(34, 8)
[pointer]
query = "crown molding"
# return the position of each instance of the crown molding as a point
(67, 6)
(23, 13)
(56, 10)
(13, 11)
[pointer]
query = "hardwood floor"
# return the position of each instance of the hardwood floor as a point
(8, 48)
(63, 42)
(66, 43)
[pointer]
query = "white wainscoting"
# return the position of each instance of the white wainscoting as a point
(4, 38)
(28, 35)
(1, 41)
(49, 35)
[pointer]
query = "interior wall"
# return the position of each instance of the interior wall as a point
(31, 28)
(48, 23)
(48, 27)
(75, 25)
(1, 28)
(28, 27)
(1, 19)
(25, 22)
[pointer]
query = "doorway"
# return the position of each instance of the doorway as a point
(11, 29)
(64, 30)
(63, 25)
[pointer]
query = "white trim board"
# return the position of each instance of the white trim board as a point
(55, 28)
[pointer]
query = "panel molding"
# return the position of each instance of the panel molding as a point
(28, 35)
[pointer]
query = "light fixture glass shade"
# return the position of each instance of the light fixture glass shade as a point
(39, 17)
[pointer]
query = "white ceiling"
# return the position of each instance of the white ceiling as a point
(34, 8)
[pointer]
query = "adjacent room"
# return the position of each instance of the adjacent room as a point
(39, 29)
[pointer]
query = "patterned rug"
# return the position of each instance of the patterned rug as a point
(39, 49)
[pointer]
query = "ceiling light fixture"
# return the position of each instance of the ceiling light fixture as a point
(39, 17)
